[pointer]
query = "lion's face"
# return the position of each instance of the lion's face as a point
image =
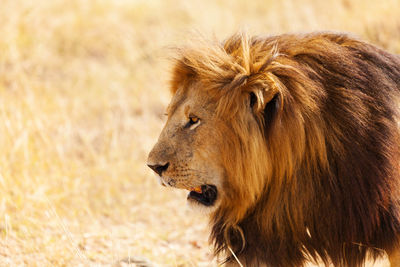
(186, 155)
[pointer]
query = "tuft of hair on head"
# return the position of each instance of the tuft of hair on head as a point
(228, 69)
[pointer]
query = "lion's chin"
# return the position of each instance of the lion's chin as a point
(200, 209)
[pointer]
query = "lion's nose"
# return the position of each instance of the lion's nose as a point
(159, 169)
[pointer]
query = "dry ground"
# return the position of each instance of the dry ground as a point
(82, 93)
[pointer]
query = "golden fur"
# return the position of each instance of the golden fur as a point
(305, 145)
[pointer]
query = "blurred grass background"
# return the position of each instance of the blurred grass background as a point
(83, 86)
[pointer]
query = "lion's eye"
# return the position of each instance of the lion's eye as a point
(193, 122)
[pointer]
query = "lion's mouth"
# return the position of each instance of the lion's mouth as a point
(205, 194)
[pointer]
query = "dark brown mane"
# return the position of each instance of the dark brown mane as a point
(327, 106)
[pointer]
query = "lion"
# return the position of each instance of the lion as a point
(291, 144)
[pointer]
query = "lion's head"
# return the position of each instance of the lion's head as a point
(276, 138)
(205, 145)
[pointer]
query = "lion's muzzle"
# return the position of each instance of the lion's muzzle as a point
(159, 168)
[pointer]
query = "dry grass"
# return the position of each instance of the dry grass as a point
(82, 92)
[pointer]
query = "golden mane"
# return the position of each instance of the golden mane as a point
(317, 175)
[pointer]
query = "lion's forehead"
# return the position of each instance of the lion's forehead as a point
(192, 104)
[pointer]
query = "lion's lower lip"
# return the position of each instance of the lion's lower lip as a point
(207, 196)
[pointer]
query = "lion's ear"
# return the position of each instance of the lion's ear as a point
(253, 99)
(271, 108)
(260, 102)
(256, 101)
(265, 108)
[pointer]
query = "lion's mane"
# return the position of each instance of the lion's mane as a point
(317, 177)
